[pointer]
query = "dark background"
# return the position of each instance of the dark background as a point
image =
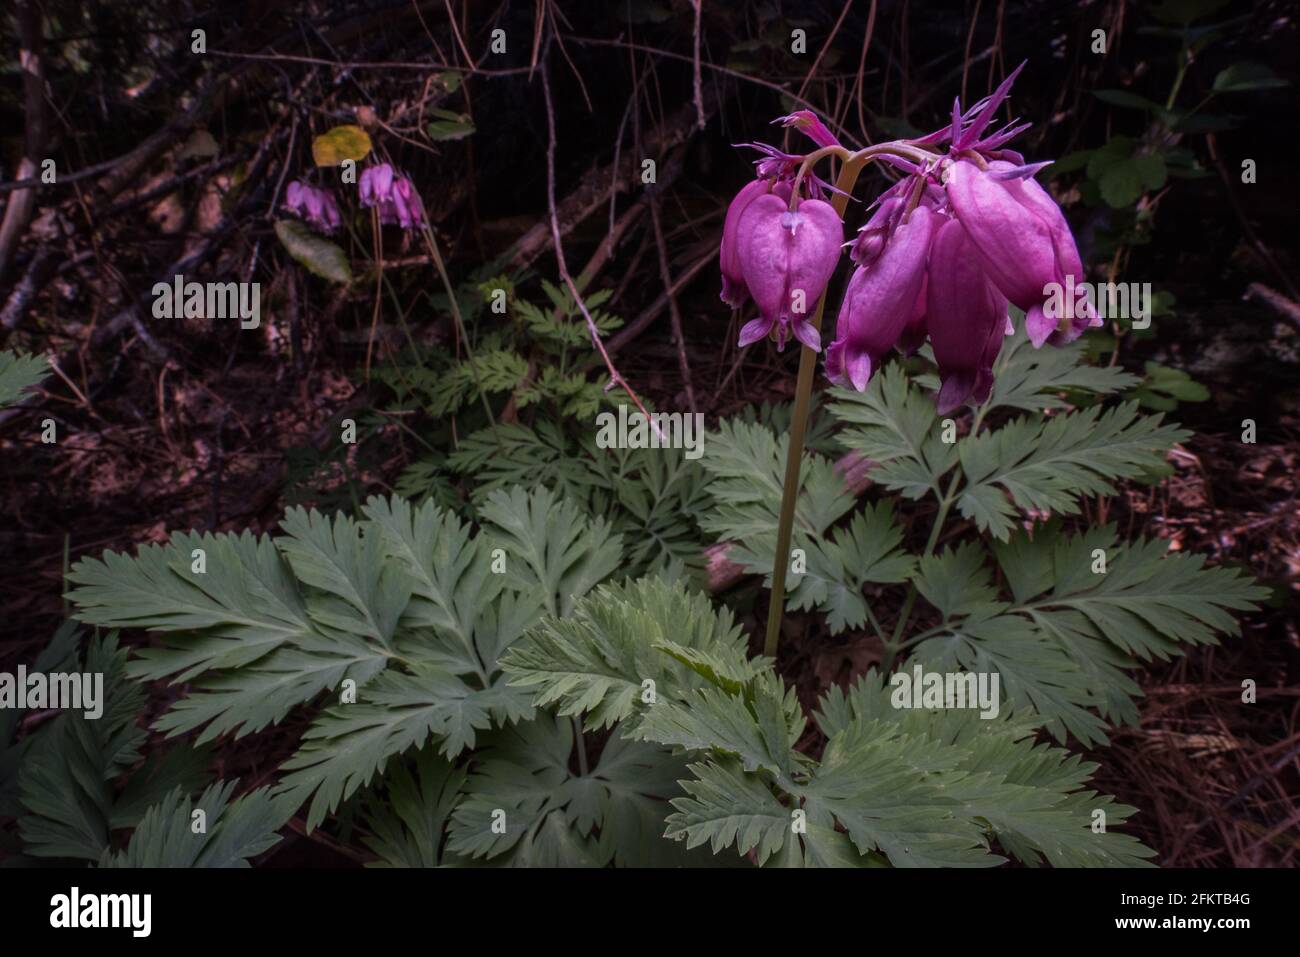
(171, 425)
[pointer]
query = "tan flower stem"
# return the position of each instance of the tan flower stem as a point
(907, 151)
(798, 425)
(853, 163)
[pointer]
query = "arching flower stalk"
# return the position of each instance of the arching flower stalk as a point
(965, 232)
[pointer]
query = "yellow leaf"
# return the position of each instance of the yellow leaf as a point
(339, 144)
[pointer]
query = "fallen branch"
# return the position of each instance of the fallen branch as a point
(22, 203)
(595, 189)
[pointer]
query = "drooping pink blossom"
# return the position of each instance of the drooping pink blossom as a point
(734, 291)
(395, 196)
(965, 229)
(316, 206)
(965, 316)
(913, 335)
(787, 258)
(879, 302)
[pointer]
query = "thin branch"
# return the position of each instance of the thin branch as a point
(21, 206)
(699, 92)
(666, 277)
(615, 378)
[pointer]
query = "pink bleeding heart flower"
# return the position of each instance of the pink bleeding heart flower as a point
(787, 258)
(395, 196)
(1023, 241)
(405, 208)
(879, 301)
(734, 291)
(966, 317)
(1040, 323)
(913, 335)
(1011, 240)
(376, 184)
(316, 206)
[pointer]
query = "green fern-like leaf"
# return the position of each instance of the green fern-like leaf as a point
(906, 788)
(1043, 811)
(893, 425)
(505, 455)
(562, 553)
(66, 771)
(622, 642)
(407, 826)
(1036, 380)
(234, 831)
(835, 566)
(1074, 628)
(526, 808)
(1047, 465)
(403, 605)
(747, 465)
(18, 373)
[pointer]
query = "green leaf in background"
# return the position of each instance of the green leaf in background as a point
(1046, 465)
(18, 373)
(450, 125)
(66, 786)
(320, 256)
(645, 11)
(1185, 11)
(1205, 123)
(1164, 388)
(1121, 185)
(341, 143)
(1151, 170)
(1247, 76)
(236, 831)
(1123, 177)
(406, 827)
(1126, 99)
(556, 817)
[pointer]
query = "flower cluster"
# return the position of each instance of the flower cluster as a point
(963, 233)
(316, 206)
(395, 196)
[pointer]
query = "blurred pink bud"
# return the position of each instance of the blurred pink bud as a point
(316, 206)
(395, 196)
(376, 184)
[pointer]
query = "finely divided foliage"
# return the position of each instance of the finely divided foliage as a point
(914, 788)
(18, 373)
(535, 680)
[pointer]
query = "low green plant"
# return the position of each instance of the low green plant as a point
(522, 680)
